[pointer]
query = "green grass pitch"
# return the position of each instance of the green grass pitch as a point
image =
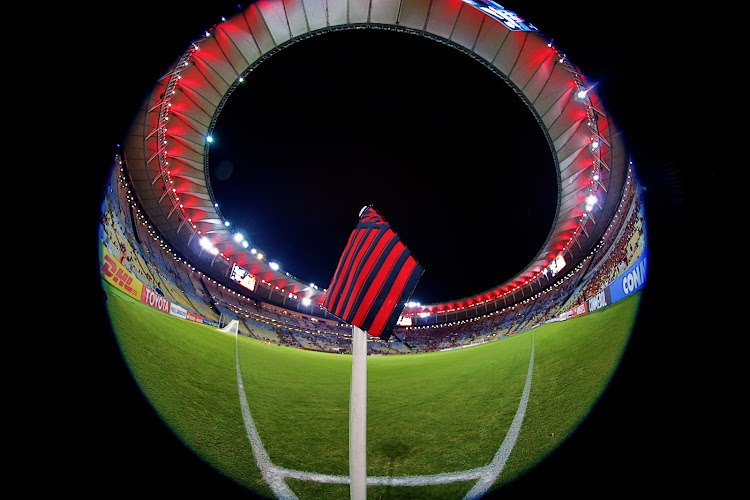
(426, 414)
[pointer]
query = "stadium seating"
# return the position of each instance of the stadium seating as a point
(127, 236)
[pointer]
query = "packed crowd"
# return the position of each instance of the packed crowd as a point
(128, 238)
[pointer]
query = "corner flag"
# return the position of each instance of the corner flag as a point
(375, 277)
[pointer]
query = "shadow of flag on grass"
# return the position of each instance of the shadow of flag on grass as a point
(375, 277)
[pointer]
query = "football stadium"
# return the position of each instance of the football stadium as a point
(248, 368)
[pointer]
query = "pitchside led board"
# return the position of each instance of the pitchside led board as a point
(628, 282)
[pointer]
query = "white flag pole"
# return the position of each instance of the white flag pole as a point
(358, 416)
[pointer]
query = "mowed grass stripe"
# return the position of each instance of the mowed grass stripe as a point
(299, 401)
(187, 372)
(574, 362)
(427, 413)
(443, 411)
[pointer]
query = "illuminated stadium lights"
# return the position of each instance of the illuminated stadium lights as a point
(580, 90)
(590, 202)
(585, 92)
(273, 265)
(208, 246)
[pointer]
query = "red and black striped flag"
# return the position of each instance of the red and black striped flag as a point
(375, 277)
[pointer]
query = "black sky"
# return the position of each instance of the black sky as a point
(648, 63)
(437, 143)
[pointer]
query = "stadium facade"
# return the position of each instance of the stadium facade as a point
(140, 262)
(164, 239)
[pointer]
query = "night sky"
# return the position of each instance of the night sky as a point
(468, 194)
(438, 144)
(334, 123)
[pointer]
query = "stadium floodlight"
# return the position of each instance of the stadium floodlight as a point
(273, 265)
(238, 237)
(590, 202)
(306, 301)
(209, 139)
(227, 223)
(208, 246)
(583, 93)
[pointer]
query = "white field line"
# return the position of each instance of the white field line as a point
(269, 472)
(443, 478)
(486, 475)
(501, 457)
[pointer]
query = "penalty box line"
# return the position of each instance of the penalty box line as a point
(274, 475)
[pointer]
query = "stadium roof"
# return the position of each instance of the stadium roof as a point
(166, 149)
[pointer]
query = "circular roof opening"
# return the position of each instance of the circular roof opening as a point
(167, 169)
(434, 139)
